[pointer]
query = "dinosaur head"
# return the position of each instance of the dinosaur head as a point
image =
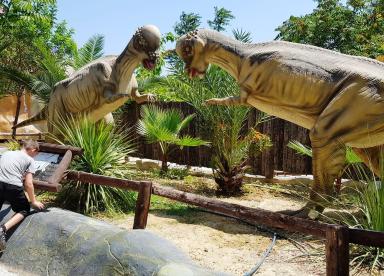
(190, 48)
(146, 42)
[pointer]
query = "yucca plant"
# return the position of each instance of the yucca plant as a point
(104, 152)
(163, 127)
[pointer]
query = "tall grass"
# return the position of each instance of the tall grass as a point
(104, 152)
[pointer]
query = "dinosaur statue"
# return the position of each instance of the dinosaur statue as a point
(338, 97)
(103, 85)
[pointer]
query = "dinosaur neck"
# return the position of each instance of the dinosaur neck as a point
(225, 52)
(126, 64)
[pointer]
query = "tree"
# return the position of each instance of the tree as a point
(242, 35)
(221, 19)
(164, 127)
(222, 125)
(91, 50)
(22, 23)
(354, 28)
(188, 22)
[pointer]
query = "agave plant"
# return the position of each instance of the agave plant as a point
(104, 152)
(164, 127)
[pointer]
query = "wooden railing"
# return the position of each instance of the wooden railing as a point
(338, 237)
(39, 135)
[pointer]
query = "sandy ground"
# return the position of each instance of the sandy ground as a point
(228, 245)
(223, 244)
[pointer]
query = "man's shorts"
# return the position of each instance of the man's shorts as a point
(16, 197)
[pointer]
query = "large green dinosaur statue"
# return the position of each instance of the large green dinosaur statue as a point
(103, 85)
(339, 98)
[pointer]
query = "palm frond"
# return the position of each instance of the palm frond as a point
(300, 148)
(17, 76)
(91, 50)
(188, 141)
(185, 122)
(242, 35)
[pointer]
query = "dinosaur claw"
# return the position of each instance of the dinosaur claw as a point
(306, 212)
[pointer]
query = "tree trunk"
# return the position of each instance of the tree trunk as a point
(164, 164)
(18, 105)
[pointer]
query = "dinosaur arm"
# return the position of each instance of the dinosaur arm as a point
(137, 97)
(111, 97)
(234, 100)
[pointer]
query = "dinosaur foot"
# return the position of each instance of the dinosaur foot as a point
(307, 212)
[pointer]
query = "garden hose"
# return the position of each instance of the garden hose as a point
(263, 258)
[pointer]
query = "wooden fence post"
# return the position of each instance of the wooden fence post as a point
(142, 205)
(337, 250)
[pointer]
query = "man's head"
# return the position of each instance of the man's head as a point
(31, 147)
(190, 48)
(146, 41)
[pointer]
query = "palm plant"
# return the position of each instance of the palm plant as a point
(104, 152)
(222, 124)
(164, 127)
(91, 50)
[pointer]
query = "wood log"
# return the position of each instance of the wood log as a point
(337, 250)
(60, 149)
(259, 216)
(366, 237)
(45, 186)
(56, 177)
(104, 180)
(142, 205)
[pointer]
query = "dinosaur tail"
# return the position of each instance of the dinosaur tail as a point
(41, 116)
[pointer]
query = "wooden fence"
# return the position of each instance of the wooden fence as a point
(337, 237)
(278, 157)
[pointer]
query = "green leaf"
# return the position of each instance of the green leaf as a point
(91, 50)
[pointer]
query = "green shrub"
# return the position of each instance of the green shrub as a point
(104, 152)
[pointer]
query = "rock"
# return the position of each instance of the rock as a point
(147, 164)
(59, 242)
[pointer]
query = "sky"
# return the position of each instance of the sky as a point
(117, 20)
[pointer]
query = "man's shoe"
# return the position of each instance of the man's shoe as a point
(3, 239)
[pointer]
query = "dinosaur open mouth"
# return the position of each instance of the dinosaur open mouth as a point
(193, 72)
(148, 64)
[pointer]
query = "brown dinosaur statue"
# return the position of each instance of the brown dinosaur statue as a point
(338, 97)
(103, 85)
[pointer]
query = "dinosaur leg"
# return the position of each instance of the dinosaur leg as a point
(371, 157)
(328, 161)
(351, 118)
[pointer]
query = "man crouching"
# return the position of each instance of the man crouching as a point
(14, 167)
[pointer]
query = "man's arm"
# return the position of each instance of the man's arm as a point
(28, 186)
